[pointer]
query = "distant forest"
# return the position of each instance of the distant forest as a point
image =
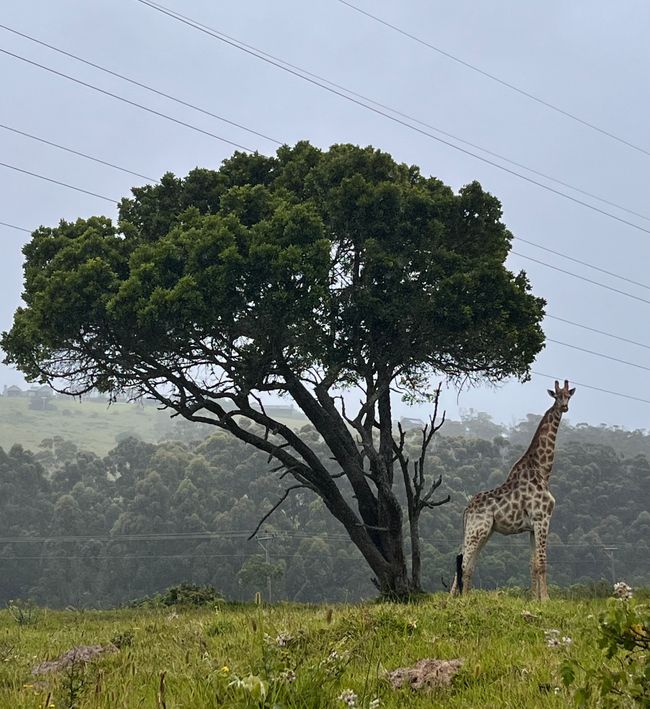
(83, 530)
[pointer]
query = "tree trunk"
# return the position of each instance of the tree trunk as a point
(383, 551)
(416, 557)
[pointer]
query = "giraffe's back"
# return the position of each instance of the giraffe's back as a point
(512, 506)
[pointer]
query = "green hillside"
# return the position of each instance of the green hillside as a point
(91, 424)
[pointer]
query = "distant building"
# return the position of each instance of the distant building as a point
(411, 423)
(286, 411)
(13, 390)
(281, 410)
(42, 392)
(41, 398)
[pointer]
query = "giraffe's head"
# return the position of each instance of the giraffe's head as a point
(562, 395)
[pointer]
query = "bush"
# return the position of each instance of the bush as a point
(185, 594)
(622, 679)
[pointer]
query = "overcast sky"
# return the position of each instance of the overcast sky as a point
(590, 58)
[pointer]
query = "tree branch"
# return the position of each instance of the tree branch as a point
(275, 507)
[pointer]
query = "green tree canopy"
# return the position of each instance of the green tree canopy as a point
(301, 274)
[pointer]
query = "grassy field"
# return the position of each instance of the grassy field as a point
(299, 656)
(91, 425)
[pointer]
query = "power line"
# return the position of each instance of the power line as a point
(141, 85)
(598, 354)
(235, 535)
(128, 101)
(13, 226)
(416, 120)
(58, 182)
(508, 85)
(77, 152)
(158, 536)
(220, 118)
(419, 121)
(594, 388)
(582, 278)
(583, 263)
(287, 555)
(255, 53)
(600, 332)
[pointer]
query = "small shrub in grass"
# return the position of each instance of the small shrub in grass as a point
(123, 639)
(6, 651)
(184, 595)
(219, 627)
(23, 612)
(622, 678)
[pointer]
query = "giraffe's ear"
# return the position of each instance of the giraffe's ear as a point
(551, 393)
(572, 391)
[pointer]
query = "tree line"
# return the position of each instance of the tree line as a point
(83, 530)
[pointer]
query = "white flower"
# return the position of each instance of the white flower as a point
(288, 676)
(374, 704)
(283, 639)
(348, 697)
(622, 591)
(553, 639)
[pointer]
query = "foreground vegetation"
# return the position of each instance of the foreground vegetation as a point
(514, 654)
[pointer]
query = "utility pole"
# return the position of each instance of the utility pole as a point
(610, 553)
(265, 538)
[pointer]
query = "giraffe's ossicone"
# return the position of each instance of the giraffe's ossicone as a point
(523, 503)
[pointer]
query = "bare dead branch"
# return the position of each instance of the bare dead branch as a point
(275, 507)
(437, 503)
(373, 528)
(434, 486)
(274, 449)
(288, 471)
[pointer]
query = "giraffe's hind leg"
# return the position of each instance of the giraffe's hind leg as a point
(477, 532)
(534, 573)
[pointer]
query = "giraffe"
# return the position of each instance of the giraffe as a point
(523, 503)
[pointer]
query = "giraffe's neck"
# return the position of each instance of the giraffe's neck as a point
(541, 451)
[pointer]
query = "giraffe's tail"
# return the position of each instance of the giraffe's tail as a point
(457, 586)
(459, 573)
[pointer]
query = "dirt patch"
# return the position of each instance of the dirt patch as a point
(81, 654)
(426, 674)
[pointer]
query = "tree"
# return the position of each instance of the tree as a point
(302, 275)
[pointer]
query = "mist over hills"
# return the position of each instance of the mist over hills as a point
(101, 504)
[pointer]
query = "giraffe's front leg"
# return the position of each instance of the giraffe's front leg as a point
(541, 534)
(475, 541)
